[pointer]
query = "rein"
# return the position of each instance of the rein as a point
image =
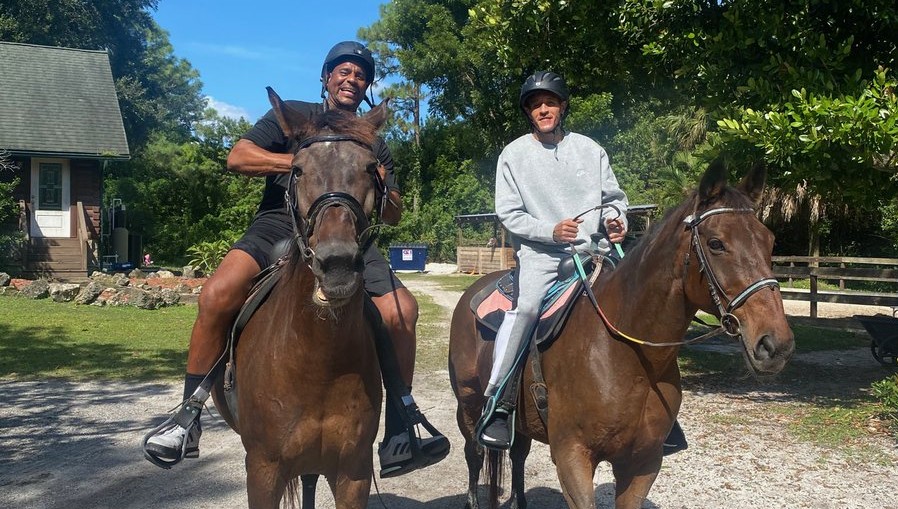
(304, 227)
(728, 322)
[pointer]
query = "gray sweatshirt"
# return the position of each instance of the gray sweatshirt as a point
(539, 185)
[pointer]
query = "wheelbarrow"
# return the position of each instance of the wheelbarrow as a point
(884, 331)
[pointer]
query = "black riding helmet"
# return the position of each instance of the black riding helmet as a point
(542, 81)
(343, 51)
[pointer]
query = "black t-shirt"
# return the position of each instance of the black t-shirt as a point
(267, 134)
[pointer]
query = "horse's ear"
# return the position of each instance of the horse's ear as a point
(713, 181)
(378, 115)
(290, 120)
(753, 183)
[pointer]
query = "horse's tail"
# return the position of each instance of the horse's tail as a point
(495, 470)
(291, 493)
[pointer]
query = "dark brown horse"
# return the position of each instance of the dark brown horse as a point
(614, 399)
(309, 384)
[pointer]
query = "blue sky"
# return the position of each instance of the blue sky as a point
(239, 48)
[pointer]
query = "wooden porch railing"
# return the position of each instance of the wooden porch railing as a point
(84, 240)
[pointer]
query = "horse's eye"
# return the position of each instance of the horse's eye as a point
(715, 244)
(371, 168)
(296, 170)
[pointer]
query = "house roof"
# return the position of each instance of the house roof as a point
(59, 101)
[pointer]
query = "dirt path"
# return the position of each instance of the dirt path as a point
(75, 445)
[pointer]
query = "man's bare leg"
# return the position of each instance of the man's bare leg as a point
(220, 300)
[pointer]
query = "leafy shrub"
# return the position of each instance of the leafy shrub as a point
(887, 392)
(11, 239)
(206, 256)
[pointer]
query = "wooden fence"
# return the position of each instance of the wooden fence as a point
(837, 271)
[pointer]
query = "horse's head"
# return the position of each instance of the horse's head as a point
(731, 275)
(333, 191)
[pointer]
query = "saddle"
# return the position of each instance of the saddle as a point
(490, 304)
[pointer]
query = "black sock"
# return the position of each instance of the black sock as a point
(394, 423)
(191, 382)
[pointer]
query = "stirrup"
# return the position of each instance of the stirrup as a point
(489, 411)
(187, 417)
(419, 457)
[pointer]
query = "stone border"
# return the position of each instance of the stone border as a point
(138, 289)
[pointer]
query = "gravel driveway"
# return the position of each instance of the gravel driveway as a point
(75, 445)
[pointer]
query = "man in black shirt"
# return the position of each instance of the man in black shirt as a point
(265, 151)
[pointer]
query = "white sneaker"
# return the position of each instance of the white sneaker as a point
(169, 441)
(396, 454)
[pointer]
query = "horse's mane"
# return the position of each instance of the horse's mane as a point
(672, 221)
(340, 122)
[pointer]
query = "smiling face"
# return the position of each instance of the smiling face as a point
(546, 111)
(346, 86)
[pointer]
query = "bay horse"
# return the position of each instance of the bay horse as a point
(613, 383)
(308, 375)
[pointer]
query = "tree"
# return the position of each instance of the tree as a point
(10, 236)
(808, 86)
(178, 193)
(667, 86)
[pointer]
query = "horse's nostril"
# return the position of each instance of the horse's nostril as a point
(765, 349)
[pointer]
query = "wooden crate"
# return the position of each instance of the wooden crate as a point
(483, 260)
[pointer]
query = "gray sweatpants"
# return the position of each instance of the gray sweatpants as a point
(536, 273)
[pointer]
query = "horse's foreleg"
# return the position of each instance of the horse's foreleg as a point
(264, 485)
(632, 486)
(575, 473)
(519, 452)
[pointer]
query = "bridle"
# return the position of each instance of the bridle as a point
(728, 322)
(304, 225)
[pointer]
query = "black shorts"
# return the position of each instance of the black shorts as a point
(273, 227)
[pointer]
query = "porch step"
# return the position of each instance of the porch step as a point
(55, 257)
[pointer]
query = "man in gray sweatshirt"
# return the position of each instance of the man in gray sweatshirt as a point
(544, 179)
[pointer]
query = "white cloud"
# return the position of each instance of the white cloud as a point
(241, 52)
(227, 110)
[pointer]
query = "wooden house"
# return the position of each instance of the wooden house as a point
(59, 123)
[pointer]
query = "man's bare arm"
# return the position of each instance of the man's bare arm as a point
(247, 158)
(393, 210)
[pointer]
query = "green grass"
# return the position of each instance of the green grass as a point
(44, 339)
(805, 284)
(433, 335)
(451, 282)
(816, 339)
